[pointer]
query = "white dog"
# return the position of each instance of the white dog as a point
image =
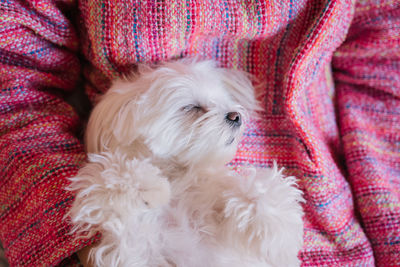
(156, 185)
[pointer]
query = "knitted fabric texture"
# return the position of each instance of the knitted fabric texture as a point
(329, 81)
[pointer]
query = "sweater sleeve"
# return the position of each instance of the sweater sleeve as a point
(367, 75)
(39, 149)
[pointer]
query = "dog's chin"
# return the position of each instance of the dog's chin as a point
(210, 158)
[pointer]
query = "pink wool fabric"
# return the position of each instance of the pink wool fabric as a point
(328, 75)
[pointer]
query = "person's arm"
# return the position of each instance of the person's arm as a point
(39, 148)
(83, 255)
(367, 77)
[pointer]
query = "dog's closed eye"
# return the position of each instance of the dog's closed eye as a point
(193, 108)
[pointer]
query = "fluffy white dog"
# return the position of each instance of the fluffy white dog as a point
(156, 185)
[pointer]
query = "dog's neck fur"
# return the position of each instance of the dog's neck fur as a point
(172, 168)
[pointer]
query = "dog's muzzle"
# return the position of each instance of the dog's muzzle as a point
(234, 119)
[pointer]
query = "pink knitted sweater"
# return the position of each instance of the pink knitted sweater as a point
(330, 71)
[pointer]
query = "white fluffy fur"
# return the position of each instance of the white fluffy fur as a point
(156, 186)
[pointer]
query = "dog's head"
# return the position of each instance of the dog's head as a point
(191, 112)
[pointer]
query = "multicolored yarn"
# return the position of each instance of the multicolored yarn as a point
(329, 80)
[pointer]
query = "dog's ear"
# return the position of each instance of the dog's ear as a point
(240, 87)
(112, 121)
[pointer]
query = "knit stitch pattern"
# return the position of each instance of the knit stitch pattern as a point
(327, 74)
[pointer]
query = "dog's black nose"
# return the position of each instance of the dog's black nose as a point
(234, 119)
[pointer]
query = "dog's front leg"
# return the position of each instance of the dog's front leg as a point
(122, 200)
(262, 216)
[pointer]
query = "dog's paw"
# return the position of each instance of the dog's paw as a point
(120, 198)
(151, 186)
(267, 215)
(111, 186)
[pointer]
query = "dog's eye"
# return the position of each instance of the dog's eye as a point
(193, 107)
